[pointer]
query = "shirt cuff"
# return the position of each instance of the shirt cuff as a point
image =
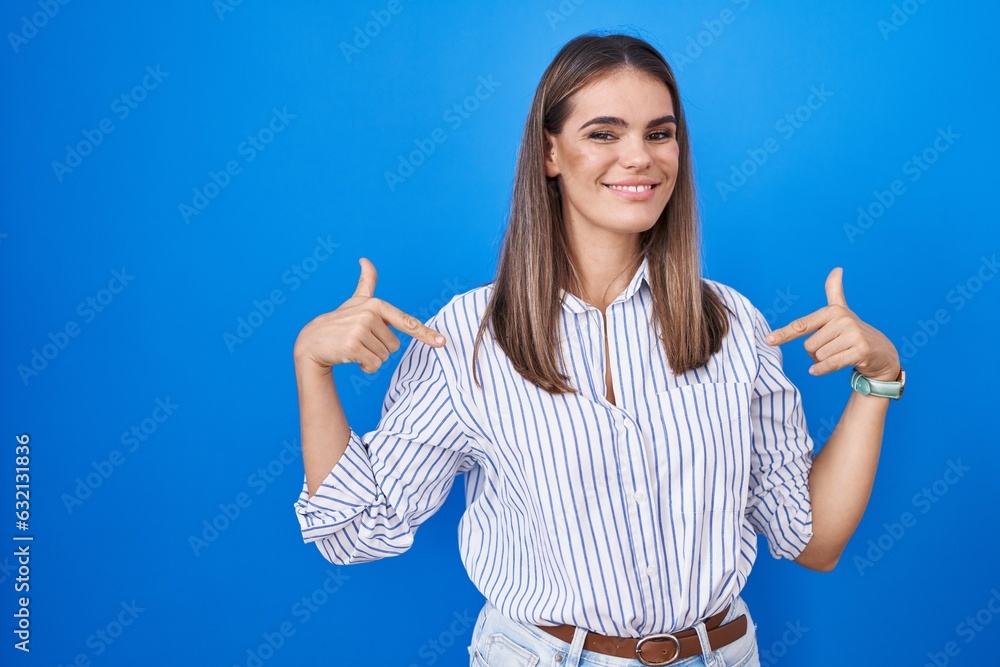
(346, 492)
(785, 519)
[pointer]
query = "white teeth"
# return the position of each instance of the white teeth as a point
(631, 188)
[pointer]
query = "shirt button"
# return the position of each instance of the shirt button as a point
(628, 424)
(639, 496)
(650, 570)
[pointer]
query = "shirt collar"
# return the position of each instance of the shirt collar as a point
(576, 305)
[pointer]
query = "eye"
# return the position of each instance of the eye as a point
(600, 134)
(662, 135)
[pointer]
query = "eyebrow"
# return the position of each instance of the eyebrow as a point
(620, 122)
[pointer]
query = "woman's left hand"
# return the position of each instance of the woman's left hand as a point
(841, 338)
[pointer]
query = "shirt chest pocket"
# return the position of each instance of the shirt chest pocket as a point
(701, 433)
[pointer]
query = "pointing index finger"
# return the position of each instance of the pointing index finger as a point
(794, 329)
(409, 325)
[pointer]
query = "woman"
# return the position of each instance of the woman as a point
(624, 424)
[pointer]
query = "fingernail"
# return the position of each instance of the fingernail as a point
(812, 370)
(439, 339)
(770, 338)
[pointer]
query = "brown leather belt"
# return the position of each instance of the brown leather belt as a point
(658, 649)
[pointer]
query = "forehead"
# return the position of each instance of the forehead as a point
(624, 94)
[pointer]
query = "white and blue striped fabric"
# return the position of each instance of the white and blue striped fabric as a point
(624, 519)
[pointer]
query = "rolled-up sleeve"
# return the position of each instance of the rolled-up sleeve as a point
(778, 503)
(393, 478)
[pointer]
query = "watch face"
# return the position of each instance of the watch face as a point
(864, 386)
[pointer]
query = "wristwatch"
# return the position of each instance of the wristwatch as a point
(883, 388)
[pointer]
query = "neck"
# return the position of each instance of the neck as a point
(603, 272)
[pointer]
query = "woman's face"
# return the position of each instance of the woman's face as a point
(621, 132)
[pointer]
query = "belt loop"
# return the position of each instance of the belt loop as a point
(706, 648)
(576, 647)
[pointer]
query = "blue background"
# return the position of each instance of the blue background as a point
(896, 78)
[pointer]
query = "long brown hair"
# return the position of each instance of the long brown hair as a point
(535, 260)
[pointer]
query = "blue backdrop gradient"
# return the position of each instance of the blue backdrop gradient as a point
(186, 185)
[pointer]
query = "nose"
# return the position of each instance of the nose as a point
(635, 153)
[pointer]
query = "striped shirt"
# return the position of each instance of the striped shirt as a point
(625, 519)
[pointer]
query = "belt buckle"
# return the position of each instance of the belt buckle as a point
(663, 635)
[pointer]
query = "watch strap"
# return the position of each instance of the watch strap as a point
(871, 387)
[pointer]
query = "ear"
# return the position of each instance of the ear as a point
(551, 155)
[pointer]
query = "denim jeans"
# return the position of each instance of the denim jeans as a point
(498, 641)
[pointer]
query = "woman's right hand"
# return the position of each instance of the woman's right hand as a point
(358, 331)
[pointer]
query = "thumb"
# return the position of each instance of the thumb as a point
(369, 276)
(835, 287)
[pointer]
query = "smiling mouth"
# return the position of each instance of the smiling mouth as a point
(630, 188)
